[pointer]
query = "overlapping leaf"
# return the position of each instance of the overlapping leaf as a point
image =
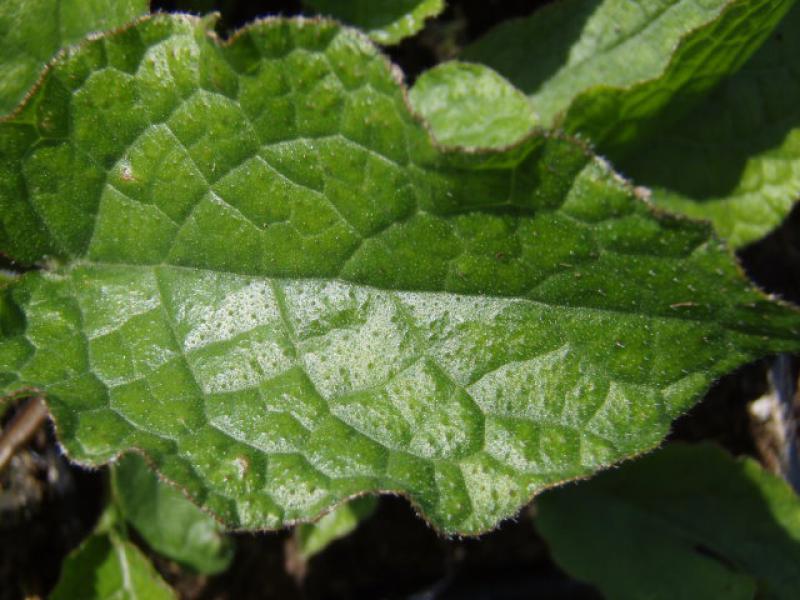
(32, 31)
(470, 105)
(313, 538)
(168, 522)
(616, 72)
(260, 271)
(684, 522)
(385, 21)
(735, 159)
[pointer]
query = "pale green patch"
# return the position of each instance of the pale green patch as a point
(471, 105)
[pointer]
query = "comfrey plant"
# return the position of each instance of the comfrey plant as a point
(285, 279)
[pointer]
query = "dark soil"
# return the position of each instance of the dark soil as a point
(47, 505)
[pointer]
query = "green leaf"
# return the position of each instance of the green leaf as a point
(273, 283)
(313, 538)
(32, 31)
(108, 567)
(167, 521)
(683, 522)
(616, 72)
(736, 158)
(385, 21)
(471, 105)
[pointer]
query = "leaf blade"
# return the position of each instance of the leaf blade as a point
(746, 134)
(168, 522)
(313, 538)
(614, 88)
(725, 524)
(470, 105)
(106, 567)
(363, 333)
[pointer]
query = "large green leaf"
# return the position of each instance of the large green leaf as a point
(263, 274)
(736, 158)
(385, 21)
(471, 105)
(32, 31)
(167, 521)
(684, 522)
(616, 71)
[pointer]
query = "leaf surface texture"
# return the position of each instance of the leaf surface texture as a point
(261, 271)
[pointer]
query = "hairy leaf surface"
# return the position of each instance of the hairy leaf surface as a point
(168, 522)
(615, 71)
(261, 271)
(684, 522)
(471, 105)
(735, 159)
(385, 21)
(32, 31)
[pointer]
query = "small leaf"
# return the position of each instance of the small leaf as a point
(615, 73)
(387, 22)
(167, 521)
(313, 538)
(683, 522)
(735, 159)
(106, 567)
(259, 270)
(471, 105)
(32, 31)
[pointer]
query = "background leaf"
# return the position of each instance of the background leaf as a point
(385, 21)
(313, 538)
(735, 159)
(107, 566)
(471, 105)
(32, 31)
(168, 522)
(617, 72)
(683, 522)
(465, 328)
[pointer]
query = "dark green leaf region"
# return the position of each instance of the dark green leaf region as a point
(258, 269)
(684, 522)
(735, 159)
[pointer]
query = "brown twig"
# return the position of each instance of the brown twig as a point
(21, 428)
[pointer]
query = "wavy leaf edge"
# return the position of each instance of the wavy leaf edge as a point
(535, 133)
